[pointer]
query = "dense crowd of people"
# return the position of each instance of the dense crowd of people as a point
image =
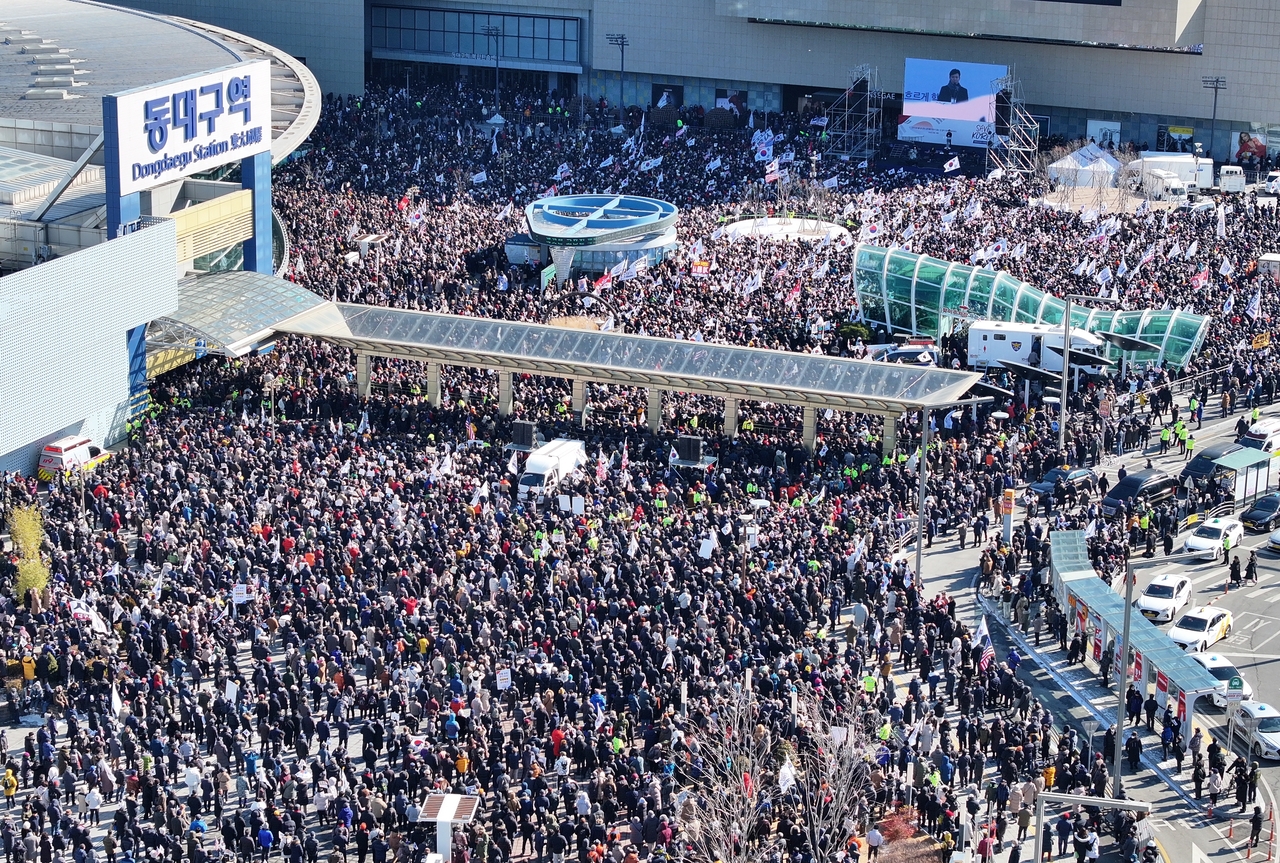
(285, 614)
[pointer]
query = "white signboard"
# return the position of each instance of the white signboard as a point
(240, 593)
(174, 129)
(504, 678)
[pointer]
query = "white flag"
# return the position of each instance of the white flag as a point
(479, 178)
(831, 182)
(953, 164)
(1254, 309)
(607, 162)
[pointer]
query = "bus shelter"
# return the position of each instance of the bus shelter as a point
(1251, 472)
(1097, 611)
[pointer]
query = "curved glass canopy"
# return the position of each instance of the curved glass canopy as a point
(910, 293)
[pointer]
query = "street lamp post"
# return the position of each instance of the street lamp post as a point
(1122, 667)
(620, 40)
(1214, 83)
(496, 32)
(923, 467)
(1066, 365)
(744, 520)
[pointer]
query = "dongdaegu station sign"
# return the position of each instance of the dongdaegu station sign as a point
(177, 128)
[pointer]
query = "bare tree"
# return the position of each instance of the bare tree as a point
(761, 757)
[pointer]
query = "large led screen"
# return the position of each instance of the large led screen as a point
(940, 96)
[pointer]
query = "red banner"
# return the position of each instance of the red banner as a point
(1162, 688)
(1182, 707)
(1137, 667)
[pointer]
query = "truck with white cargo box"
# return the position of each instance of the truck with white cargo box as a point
(992, 342)
(548, 465)
(1231, 180)
(1195, 173)
(1163, 185)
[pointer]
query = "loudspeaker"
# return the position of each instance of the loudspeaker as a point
(858, 97)
(1004, 113)
(689, 448)
(522, 432)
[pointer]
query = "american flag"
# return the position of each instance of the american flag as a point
(983, 639)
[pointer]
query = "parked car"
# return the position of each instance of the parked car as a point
(1164, 596)
(1264, 513)
(1259, 727)
(1154, 485)
(1201, 628)
(1207, 538)
(1075, 477)
(1222, 670)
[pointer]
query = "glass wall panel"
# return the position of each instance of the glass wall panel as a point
(912, 285)
(980, 292)
(525, 37)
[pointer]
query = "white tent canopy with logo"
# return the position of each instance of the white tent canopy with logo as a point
(1089, 166)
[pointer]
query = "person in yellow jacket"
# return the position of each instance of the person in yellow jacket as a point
(10, 787)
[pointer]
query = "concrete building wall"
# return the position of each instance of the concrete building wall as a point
(329, 35)
(63, 348)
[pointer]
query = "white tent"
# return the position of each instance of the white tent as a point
(1089, 166)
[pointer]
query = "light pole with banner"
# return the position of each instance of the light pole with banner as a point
(494, 31)
(1090, 729)
(923, 467)
(620, 41)
(1122, 651)
(1066, 365)
(1214, 83)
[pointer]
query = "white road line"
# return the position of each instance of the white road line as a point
(1220, 574)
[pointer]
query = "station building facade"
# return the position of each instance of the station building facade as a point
(1126, 70)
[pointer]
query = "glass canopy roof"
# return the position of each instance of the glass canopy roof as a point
(1075, 578)
(910, 293)
(230, 312)
(723, 370)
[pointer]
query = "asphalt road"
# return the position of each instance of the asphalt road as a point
(1187, 833)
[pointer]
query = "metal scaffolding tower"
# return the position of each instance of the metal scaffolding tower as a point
(853, 121)
(1013, 148)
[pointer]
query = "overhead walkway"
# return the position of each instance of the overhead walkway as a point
(236, 313)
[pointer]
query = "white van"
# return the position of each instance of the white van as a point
(548, 465)
(1164, 186)
(1272, 184)
(992, 342)
(1231, 180)
(73, 452)
(1263, 435)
